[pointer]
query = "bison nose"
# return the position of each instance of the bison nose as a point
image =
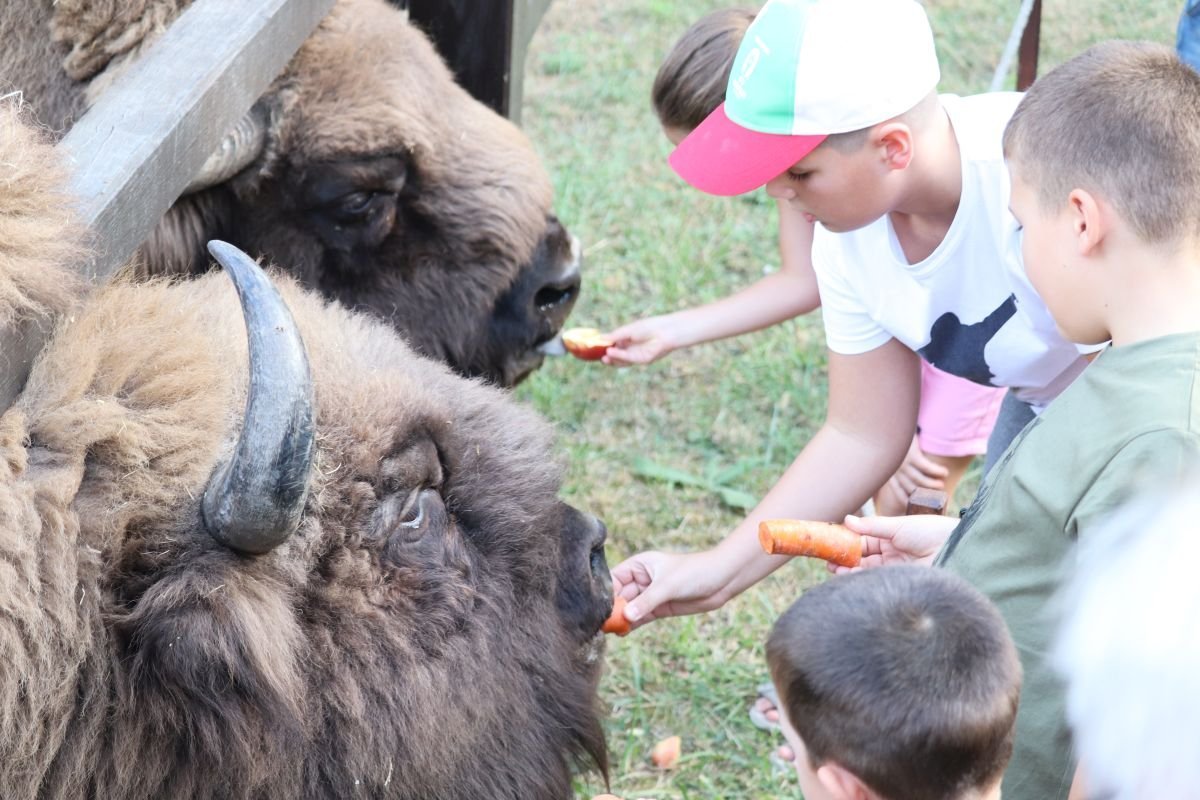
(597, 563)
(556, 296)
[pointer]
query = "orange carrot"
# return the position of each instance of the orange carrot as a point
(616, 622)
(665, 754)
(824, 540)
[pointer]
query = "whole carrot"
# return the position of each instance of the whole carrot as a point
(798, 537)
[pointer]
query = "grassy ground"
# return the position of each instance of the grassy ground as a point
(730, 415)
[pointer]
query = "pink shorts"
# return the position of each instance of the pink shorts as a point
(956, 415)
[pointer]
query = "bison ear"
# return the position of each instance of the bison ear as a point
(255, 501)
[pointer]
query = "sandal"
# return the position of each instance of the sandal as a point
(759, 717)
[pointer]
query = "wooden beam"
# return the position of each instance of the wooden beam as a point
(146, 137)
(149, 133)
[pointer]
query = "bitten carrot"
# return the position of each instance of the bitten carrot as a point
(798, 537)
(616, 622)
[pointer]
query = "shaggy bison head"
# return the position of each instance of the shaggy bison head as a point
(316, 565)
(369, 175)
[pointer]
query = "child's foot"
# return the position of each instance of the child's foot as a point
(764, 712)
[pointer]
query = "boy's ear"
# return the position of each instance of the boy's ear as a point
(894, 140)
(842, 784)
(1089, 222)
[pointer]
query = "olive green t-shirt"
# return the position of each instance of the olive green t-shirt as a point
(1131, 420)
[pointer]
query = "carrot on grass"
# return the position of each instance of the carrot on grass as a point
(616, 622)
(798, 537)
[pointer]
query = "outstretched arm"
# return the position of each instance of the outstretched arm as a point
(872, 412)
(780, 296)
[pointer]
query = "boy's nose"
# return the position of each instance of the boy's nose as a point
(779, 188)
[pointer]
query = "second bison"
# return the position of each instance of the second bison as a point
(364, 170)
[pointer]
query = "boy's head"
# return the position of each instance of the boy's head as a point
(1117, 128)
(691, 81)
(899, 683)
(807, 70)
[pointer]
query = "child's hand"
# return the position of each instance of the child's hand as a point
(643, 342)
(668, 584)
(900, 540)
(917, 471)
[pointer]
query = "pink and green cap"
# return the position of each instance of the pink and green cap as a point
(807, 69)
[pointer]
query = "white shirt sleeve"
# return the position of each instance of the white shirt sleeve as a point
(849, 327)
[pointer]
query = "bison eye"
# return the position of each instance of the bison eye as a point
(408, 519)
(412, 514)
(354, 205)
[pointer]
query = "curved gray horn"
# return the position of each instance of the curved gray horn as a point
(239, 147)
(254, 502)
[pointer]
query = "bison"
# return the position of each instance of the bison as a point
(364, 171)
(273, 559)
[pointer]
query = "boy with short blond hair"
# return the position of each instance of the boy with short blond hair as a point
(896, 684)
(1105, 159)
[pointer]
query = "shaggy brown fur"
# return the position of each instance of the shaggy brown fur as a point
(382, 183)
(455, 659)
(37, 231)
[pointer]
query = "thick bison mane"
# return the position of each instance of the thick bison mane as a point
(428, 630)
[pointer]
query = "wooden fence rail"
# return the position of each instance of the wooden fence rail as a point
(141, 143)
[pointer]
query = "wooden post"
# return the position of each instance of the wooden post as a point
(1027, 56)
(527, 15)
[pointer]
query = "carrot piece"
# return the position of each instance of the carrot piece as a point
(616, 622)
(665, 754)
(824, 540)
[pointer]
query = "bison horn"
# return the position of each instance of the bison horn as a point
(239, 147)
(254, 502)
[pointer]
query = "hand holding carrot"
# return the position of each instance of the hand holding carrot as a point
(900, 540)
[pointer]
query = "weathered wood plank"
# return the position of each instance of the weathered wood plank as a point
(140, 144)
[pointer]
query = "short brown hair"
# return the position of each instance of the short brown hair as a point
(691, 82)
(906, 676)
(1121, 119)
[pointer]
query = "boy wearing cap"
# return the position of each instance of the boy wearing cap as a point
(956, 416)
(832, 105)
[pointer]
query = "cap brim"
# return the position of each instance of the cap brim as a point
(723, 158)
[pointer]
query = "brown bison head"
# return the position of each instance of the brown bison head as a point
(369, 175)
(260, 572)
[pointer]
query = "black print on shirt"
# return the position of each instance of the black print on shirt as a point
(958, 349)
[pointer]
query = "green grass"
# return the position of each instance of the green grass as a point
(733, 414)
